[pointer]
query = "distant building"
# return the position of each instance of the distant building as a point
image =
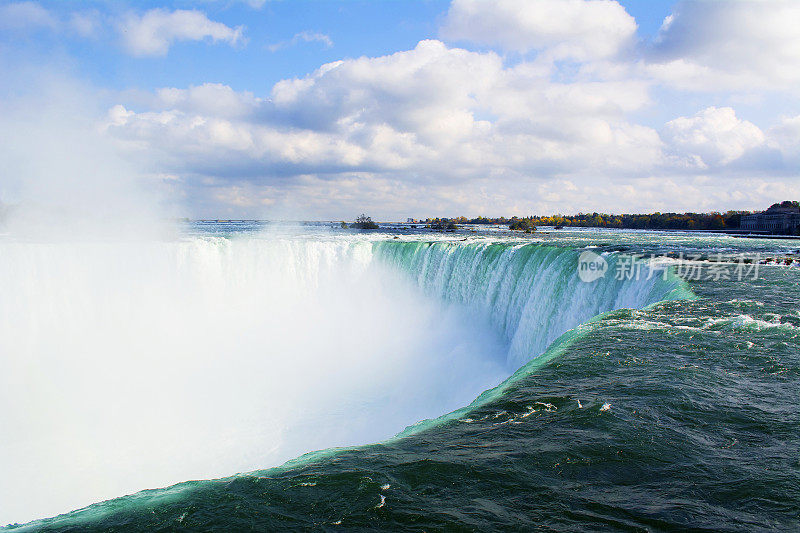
(780, 219)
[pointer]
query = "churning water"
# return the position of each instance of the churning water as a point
(134, 365)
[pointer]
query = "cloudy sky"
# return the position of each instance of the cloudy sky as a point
(323, 109)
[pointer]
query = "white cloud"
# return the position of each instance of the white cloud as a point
(785, 137)
(420, 90)
(786, 134)
(715, 46)
(577, 29)
(477, 130)
(456, 130)
(86, 23)
(389, 197)
(713, 136)
(208, 99)
(431, 115)
(25, 15)
(31, 16)
(303, 36)
(156, 30)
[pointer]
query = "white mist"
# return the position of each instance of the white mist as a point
(134, 365)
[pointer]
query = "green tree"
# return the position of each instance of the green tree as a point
(364, 222)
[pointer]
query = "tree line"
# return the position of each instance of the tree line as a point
(695, 221)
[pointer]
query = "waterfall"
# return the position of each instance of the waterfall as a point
(133, 365)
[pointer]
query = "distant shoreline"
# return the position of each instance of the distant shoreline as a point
(745, 234)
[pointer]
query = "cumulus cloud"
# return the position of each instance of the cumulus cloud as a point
(713, 136)
(430, 121)
(426, 88)
(454, 129)
(701, 46)
(576, 29)
(213, 99)
(729, 45)
(152, 33)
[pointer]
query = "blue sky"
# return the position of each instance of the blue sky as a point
(223, 108)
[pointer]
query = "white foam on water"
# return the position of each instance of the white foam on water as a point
(747, 322)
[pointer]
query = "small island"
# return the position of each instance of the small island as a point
(362, 222)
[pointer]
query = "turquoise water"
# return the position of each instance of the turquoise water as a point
(666, 403)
